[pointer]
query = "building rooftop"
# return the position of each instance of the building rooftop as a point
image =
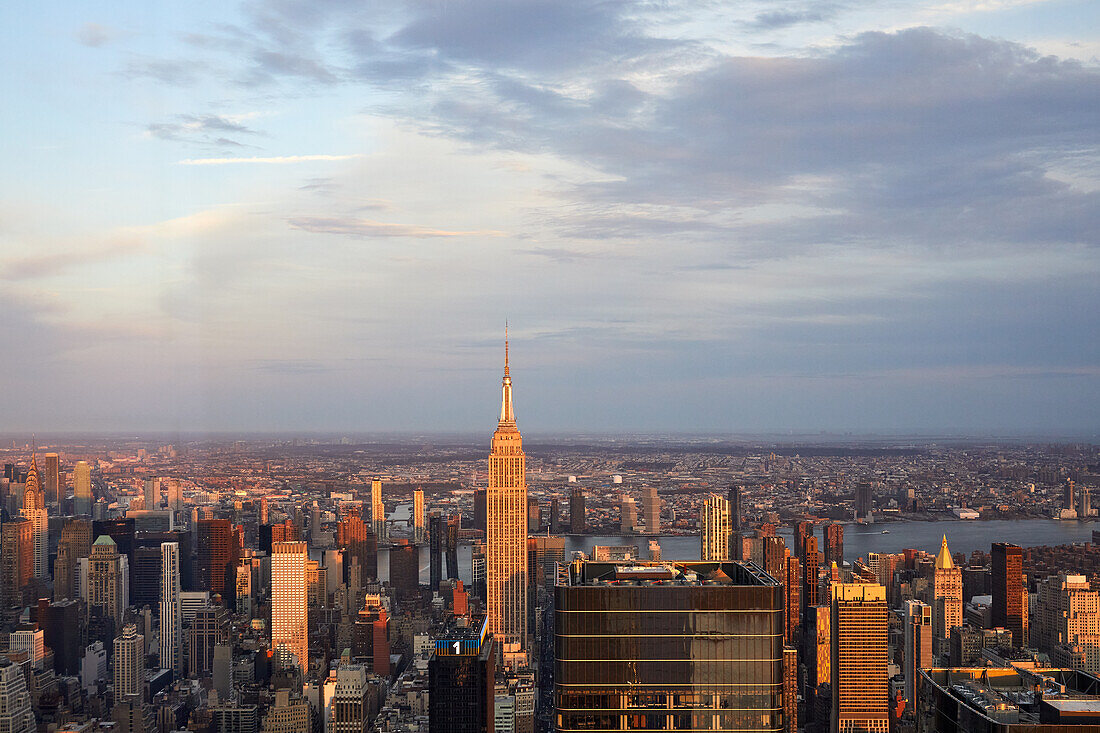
(664, 573)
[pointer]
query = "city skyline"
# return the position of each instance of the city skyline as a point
(308, 216)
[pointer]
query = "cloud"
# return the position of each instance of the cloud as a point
(209, 129)
(778, 19)
(367, 229)
(37, 266)
(274, 159)
(95, 35)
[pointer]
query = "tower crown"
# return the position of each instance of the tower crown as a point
(507, 415)
(943, 560)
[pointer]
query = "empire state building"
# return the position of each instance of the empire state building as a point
(506, 515)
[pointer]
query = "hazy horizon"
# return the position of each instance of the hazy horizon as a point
(755, 217)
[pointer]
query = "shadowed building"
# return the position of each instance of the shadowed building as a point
(695, 646)
(460, 679)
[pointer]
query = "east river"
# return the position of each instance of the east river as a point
(962, 536)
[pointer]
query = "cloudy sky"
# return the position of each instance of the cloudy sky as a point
(696, 216)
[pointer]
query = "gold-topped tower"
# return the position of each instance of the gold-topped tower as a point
(506, 536)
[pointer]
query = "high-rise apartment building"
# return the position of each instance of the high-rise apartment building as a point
(418, 516)
(860, 685)
(289, 604)
(82, 488)
(460, 678)
(51, 475)
(577, 523)
(947, 593)
(918, 630)
(171, 618)
(714, 536)
(554, 521)
(34, 510)
(129, 664)
(534, 515)
(652, 646)
(506, 540)
(1007, 584)
(377, 510)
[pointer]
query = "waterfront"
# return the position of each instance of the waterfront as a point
(859, 539)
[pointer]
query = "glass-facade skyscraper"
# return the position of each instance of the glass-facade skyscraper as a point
(695, 646)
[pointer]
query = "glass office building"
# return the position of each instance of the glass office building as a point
(668, 646)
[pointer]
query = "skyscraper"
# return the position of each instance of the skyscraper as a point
(863, 500)
(152, 492)
(16, 559)
(628, 514)
(736, 546)
(859, 658)
(82, 488)
(404, 570)
(460, 679)
(289, 604)
(34, 509)
(833, 534)
(917, 628)
(454, 526)
(506, 541)
(171, 619)
(377, 510)
(1007, 580)
(51, 470)
(1068, 622)
(577, 523)
(714, 537)
(75, 542)
(436, 539)
(216, 555)
(651, 508)
(418, 516)
(652, 646)
(947, 593)
(107, 580)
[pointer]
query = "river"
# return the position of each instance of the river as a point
(962, 536)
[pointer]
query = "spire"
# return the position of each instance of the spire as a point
(943, 560)
(507, 416)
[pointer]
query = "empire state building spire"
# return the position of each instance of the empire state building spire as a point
(507, 416)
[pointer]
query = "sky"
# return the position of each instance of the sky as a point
(317, 215)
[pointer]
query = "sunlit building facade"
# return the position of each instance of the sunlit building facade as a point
(506, 541)
(289, 604)
(714, 535)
